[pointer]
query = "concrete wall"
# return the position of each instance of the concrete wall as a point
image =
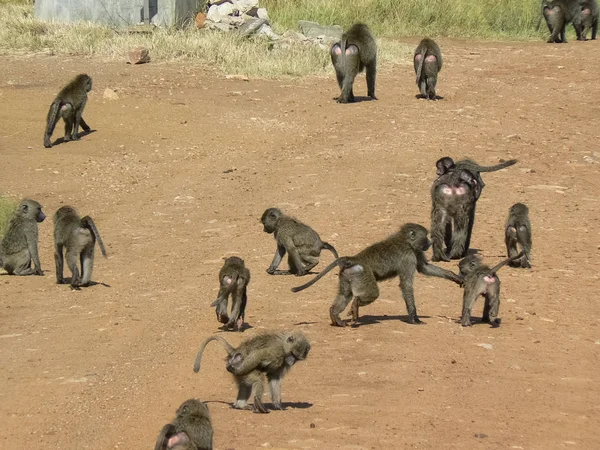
(115, 12)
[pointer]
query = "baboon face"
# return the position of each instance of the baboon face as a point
(300, 346)
(444, 165)
(88, 82)
(269, 219)
(32, 209)
(468, 264)
(416, 236)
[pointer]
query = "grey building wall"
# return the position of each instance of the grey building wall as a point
(115, 12)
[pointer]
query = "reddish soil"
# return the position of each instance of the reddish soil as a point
(177, 175)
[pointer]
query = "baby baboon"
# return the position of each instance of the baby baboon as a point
(69, 104)
(481, 280)
(301, 242)
(401, 254)
(233, 279)
(559, 13)
(19, 247)
(350, 56)
(453, 203)
(428, 62)
(589, 19)
(518, 231)
(77, 236)
(270, 354)
(190, 430)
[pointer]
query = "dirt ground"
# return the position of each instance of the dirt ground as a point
(177, 175)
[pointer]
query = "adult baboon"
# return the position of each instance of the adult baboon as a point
(356, 51)
(300, 241)
(589, 19)
(267, 354)
(518, 231)
(190, 430)
(19, 247)
(400, 255)
(77, 237)
(479, 279)
(234, 277)
(69, 104)
(559, 13)
(428, 62)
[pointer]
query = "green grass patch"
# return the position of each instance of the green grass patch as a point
(7, 208)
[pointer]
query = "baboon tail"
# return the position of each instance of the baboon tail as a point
(227, 292)
(88, 223)
(222, 340)
(544, 3)
(420, 66)
(329, 247)
(500, 166)
(319, 276)
(498, 266)
(52, 117)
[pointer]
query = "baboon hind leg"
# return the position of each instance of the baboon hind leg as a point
(342, 299)
(87, 265)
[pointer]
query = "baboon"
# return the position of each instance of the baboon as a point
(233, 279)
(401, 254)
(559, 13)
(19, 247)
(190, 430)
(518, 231)
(428, 62)
(453, 203)
(77, 236)
(446, 164)
(479, 279)
(356, 51)
(589, 19)
(69, 104)
(270, 354)
(301, 242)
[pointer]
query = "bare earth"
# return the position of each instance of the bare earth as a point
(177, 175)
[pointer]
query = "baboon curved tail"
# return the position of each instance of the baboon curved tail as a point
(88, 223)
(329, 247)
(234, 280)
(420, 66)
(498, 266)
(324, 272)
(500, 166)
(53, 115)
(544, 3)
(222, 340)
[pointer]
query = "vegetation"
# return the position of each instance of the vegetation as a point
(7, 208)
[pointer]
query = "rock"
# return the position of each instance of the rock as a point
(313, 29)
(225, 9)
(261, 13)
(251, 27)
(200, 19)
(486, 346)
(245, 5)
(110, 94)
(138, 55)
(266, 30)
(218, 2)
(213, 14)
(218, 26)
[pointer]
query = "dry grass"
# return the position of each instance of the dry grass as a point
(7, 208)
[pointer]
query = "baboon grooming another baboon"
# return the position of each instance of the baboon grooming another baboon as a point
(428, 62)
(267, 354)
(559, 13)
(356, 50)
(301, 242)
(69, 104)
(479, 279)
(190, 430)
(589, 19)
(233, 279)
(77, 237)
(401, 255)
(19, 247)
(518, 231)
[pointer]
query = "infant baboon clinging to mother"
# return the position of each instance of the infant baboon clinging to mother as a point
(233, 280)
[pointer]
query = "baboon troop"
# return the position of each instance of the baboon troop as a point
(190, 430)
(69, 104)
(267, 355)
(355, 52)
(302, 244)
(233, 280)
(428, 62)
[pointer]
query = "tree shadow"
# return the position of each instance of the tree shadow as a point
(61, 140)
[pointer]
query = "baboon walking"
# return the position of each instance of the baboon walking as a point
(518, 231)
(428, 62)
(559, 13)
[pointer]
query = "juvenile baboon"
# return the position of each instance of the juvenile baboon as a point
(428, 62)
(233, 279)
(190, 430)
(19, 247)
(400, 255)
(479, 279)
(589, 19)
(69, 104)
(77, 236)
(301, 242)
(518, 231)
(267, 354)
(446, 164)
(356, 51)
(559, 13)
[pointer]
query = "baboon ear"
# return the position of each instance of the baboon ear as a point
(412, 235)
(25, 208)
(290, 339)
